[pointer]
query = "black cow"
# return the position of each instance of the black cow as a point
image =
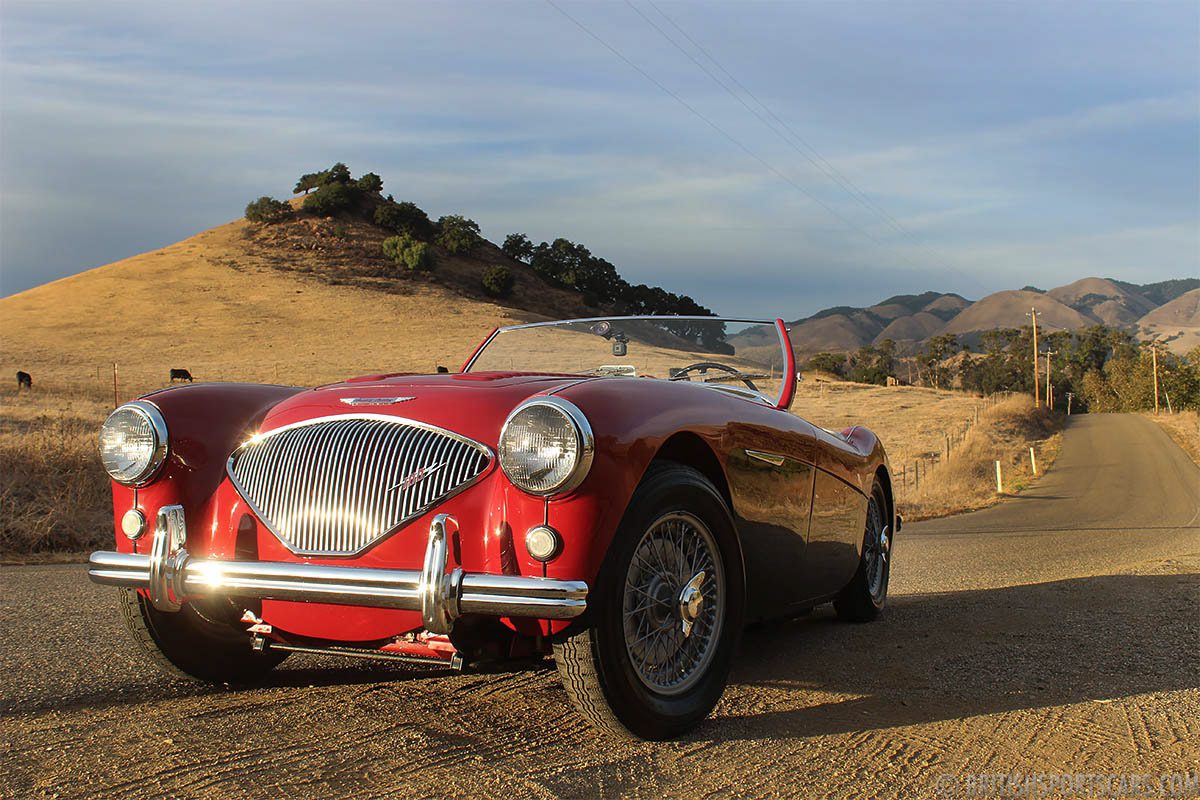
(24, 380)
(181, 375)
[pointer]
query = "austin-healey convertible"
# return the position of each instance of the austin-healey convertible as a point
(622, 494)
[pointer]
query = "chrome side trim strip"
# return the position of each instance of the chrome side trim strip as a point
(774, 459)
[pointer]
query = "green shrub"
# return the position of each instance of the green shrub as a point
(404, 218)
(498, 281)
(370, 183)
(834, 363)
(330, 199)
(338, 173)
(267, 209)
(458, 234)
(517, 247)
(409, 253)
(310, 181)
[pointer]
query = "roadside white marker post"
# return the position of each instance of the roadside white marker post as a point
(999, 484)
(1033, 461)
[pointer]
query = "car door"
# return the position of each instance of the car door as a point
(834, 535)
(772, 500)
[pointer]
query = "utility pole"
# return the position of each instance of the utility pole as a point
(1154, 355)
(1049, 385)
(1037, 392)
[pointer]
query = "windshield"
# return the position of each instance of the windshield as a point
(741, 356)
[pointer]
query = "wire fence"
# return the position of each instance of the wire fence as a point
(913, 473)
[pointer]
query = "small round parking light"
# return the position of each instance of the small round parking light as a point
(133, 523)
(543, 542)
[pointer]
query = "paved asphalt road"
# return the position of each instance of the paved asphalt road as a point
(1056, 633)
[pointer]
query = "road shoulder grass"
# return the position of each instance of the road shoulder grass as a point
(1183, 427)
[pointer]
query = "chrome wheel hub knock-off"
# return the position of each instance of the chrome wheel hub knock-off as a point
(674, 603)
(691, 603)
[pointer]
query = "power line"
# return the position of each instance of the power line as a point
(801, 145)
(677, 98)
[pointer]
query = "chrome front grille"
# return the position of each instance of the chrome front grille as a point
(336, 486)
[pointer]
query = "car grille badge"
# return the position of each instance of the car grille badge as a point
(374, 401)
(415, 477)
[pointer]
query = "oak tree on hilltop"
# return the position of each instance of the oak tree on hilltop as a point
(404, 218)
(517, 247)
(370, 183)
(458, 234)
(330, 199)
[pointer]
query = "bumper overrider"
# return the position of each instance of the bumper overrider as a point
(172, 576)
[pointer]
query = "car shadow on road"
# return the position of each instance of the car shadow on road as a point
(954, 655)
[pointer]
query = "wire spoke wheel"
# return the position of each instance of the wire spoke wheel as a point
(876, 550)
(674, 603)
(651, 657)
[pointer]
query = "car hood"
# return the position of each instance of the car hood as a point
(473, 404)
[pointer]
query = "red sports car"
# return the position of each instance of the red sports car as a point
(623, 494)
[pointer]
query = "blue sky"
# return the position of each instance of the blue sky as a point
(962, 146)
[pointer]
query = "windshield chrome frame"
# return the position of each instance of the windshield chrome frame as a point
(781, 402)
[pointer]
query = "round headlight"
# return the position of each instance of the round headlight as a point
(546, 446)
(133, 443)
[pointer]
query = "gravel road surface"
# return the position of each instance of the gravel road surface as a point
(1057, 633)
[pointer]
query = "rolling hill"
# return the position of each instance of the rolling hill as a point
(1008, 310)
(904, 318)
(909, 320)
(228, 305)
(1176, 322)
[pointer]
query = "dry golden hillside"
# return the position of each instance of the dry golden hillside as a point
(227, 305)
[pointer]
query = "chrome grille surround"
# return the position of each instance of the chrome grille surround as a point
(337, 486)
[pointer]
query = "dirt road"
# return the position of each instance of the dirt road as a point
(1056, 633)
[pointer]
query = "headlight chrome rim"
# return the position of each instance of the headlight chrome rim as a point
(158, 425)
(585, 440)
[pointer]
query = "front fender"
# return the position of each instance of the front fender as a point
(205, 422)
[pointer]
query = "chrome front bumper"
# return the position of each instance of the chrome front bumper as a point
(172, 576)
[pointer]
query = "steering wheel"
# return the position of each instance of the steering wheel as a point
(706, 365)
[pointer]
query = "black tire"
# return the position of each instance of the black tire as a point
(593, 659)
(203, 645)
(865, 595)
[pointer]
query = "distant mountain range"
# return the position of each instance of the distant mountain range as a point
(1169, 310)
